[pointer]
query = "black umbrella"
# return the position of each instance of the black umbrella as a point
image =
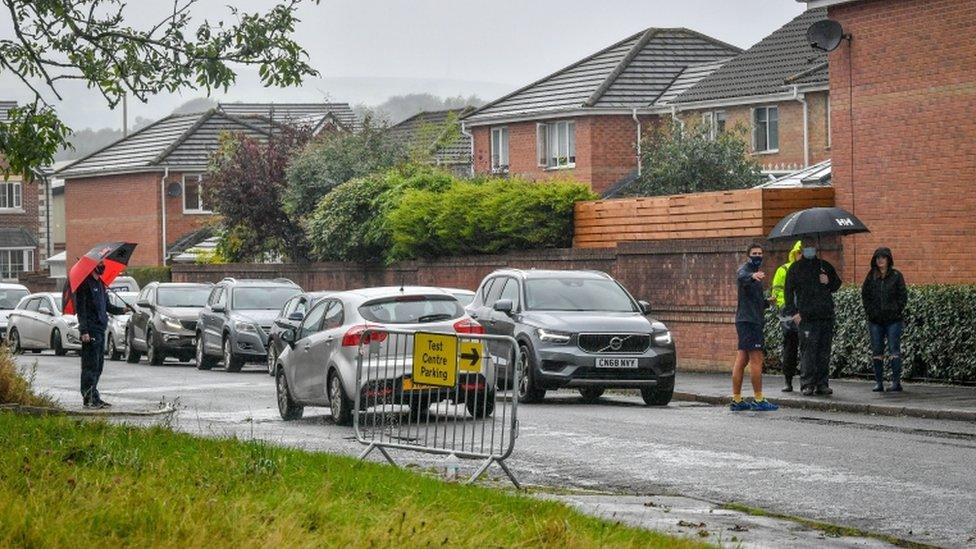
(817, 222)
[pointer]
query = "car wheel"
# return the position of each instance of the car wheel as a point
(272, 358)
(339, 403)
(204, 362)
(659, 395)
(591, 394)
(527, 390)
(287, 407)
(131, 354)
(153, 354)
(13, 341)
(57, 344)
(232, 362)
(480, 404)
(113, 351)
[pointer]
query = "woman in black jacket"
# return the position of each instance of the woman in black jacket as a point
(884, 296)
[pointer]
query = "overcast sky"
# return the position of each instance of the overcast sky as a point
(368, 50)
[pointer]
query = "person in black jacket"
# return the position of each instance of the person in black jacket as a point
(92, 307)
(884, 296)
(810, 285)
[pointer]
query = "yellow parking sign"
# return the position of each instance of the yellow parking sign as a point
(435, 359)
(472, 356)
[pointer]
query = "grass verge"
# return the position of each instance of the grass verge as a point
(65, 482)
(14, 387)
(827, 528)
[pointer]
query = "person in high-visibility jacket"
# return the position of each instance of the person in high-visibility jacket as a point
(791, 337)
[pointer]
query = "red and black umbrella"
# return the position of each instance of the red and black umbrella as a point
(115, 256)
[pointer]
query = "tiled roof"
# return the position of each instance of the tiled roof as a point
(634, 72)
(293, 112)
(425, 129)
(773, 65)
(817, 175)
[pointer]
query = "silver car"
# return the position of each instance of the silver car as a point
(38, 322)
(318, 364)
(115, 333)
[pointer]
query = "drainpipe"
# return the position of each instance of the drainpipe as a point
(638, 122)
(806, 116)
(162, 196)
(470, 136)
(674, 116)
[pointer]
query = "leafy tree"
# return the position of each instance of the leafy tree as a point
(247, 186)
(334, 158)
(677, 160)
(87, 40)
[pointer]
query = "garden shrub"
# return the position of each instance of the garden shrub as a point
(145, 275)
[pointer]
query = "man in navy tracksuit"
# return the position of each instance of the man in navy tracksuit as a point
(92, 307)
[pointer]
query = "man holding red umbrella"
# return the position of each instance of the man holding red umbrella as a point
(87, 295)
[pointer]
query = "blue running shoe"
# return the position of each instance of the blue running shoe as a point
(740, 406)
(764, 406)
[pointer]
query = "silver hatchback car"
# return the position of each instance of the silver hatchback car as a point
(317, 366)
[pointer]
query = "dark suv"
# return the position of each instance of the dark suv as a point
(164, 322)
(235, 323)
(577, 329)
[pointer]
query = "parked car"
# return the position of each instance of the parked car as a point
(577, 329)
(464, 297)
(115, 333)
(290, 317)
(318, 365)
(164, 322)
(236, 320)
(37, 323)
(124, 284)
(10, 296)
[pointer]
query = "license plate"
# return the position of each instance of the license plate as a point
(616, 363)
(409, 385)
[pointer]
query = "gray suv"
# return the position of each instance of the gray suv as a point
(235, 323)
(577, 329)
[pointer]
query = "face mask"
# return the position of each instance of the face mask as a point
(756, 261)
(99, 269)
(809, 253)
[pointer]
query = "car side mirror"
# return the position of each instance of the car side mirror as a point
(288, 336)
(504, 306)
(218, 308)
(144, 303)
(296, 317)
(45, 311)
(645, 307)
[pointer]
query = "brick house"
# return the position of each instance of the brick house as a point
(583, 121)
(778, 91)
(435, 137)
(148, 187)
(20, 222)
(904, 150)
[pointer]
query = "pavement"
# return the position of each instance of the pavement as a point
(921, 400)
(906, 477)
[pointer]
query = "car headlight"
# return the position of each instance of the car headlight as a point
(72, 322)
(552, 336)
(662, 336)
(170, 323)
(244, 326)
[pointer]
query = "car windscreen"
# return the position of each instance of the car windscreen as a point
(412, 309)
(577, 294)
(57, 303)
(122, 299)
(182, 296)
(269, 298)
(10, 298)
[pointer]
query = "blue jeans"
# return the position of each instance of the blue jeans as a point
(891, 334)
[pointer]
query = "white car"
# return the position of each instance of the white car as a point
(10, 296)
(115, 334)
(38, 323)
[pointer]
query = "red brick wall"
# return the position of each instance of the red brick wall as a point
(913, 177)
(605, 150)
(126, 208)
(689, 283)
(28, 218)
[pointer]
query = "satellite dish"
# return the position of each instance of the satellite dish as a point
(826, 35)
(174, 189)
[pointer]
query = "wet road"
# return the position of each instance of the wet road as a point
(906, 477)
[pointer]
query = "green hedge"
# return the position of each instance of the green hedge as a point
(145, 275)
(939, 342)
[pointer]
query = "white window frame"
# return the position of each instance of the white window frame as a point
(200, 209)
(711, 120)
(16, 199)
(499, 149)
(556, 144)
(755, 129)
(27, 258)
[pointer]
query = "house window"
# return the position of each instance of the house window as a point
(499, 149)
(556, 144)
(715, 122)
(11, 195)
(14, 261)
(765, 129)
(194, 199)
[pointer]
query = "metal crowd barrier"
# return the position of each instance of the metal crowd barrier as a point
(438, 393)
